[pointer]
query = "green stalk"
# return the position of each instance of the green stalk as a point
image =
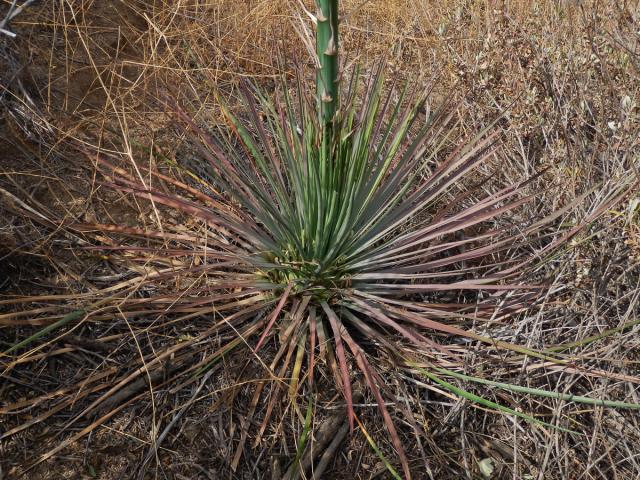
(327, 51)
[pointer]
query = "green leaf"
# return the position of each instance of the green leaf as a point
(50, 328)
(378, 452)
(488, 403)
(302, 441)
(541, 393)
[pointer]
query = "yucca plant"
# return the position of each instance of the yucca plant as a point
(336, 235)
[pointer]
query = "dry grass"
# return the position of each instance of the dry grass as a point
(91, 71)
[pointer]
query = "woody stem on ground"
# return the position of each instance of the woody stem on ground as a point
(327, 51)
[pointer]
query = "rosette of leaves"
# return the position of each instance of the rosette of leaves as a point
(333, 250)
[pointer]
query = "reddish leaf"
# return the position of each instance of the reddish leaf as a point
(338, 331)
(275, 314)
(370, 377)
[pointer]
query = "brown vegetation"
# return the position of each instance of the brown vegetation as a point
(92, 72)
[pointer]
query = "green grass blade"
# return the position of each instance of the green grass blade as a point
(541, 393)
(378, 452)
(472, 397)
(40, 333)
(302, 441)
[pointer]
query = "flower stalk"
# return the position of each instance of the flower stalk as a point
(327, 51)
